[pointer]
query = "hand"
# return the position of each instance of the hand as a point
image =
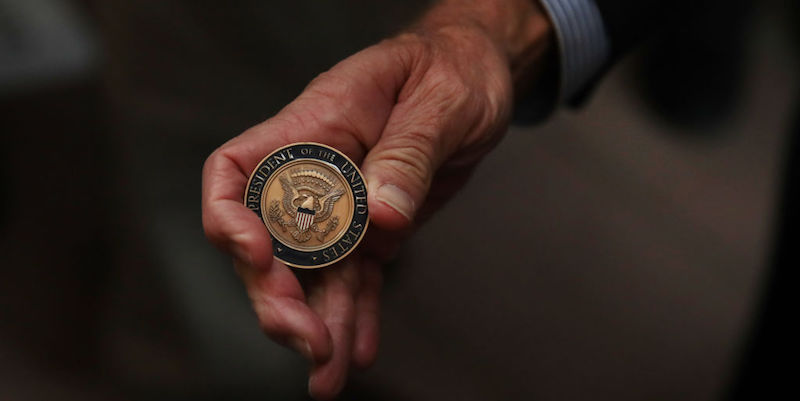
(417, 112)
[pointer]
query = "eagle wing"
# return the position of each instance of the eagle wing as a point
(327, 203)
(289, 194)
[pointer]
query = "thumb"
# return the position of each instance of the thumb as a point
(440, 111)
(399, 169)
(398, 177)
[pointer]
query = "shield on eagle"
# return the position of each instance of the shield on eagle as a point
(304, 218)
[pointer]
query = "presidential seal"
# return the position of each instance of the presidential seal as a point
(313, 200)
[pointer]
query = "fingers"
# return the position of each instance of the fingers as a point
(333, 301)
(347, 300)
(367, 329)
(279, 303)
(277, 297)
(227, 222)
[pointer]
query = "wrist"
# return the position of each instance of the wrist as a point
(520, 31)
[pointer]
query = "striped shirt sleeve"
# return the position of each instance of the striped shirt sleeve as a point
(583, 45)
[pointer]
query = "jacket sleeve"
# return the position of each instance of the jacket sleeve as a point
(591, 35)
(628, 21)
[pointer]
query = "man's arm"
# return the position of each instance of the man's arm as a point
(417, 112)
(592, 35)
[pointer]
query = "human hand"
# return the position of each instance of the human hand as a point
(417, 112)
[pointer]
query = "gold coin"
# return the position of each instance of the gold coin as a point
(313, 201)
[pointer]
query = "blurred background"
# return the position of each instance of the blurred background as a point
(631, 269)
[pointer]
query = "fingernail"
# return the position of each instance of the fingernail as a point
(397, 199)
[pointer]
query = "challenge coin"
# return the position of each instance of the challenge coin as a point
(313, 200)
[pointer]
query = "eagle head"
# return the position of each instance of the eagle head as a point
(308, 202)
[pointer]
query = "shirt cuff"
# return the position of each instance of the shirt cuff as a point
(583, 45)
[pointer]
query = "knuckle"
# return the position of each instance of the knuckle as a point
(318, 80)
(329, 102)
(330, 87)
(477, 99)
(268, 327)
(212, 231)
(448, 85)
(498, 94)
(455, 92)
(411, 157)
(268, 321)
(210, 163)
(211, 228)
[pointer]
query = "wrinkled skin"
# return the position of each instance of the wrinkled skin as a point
(417, 113)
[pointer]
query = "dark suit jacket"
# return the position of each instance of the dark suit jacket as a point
(770, 347)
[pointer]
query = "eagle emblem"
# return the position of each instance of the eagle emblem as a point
(308, 200)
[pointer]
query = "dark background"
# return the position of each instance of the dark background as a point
(614, 252)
